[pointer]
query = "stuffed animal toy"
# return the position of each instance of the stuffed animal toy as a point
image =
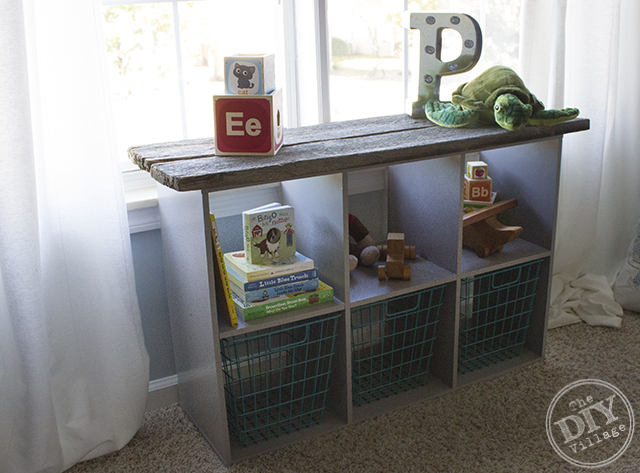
(364, 249)
(498, 95)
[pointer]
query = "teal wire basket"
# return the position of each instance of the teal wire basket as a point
(276, 380)
(392, 343)
(495, 312)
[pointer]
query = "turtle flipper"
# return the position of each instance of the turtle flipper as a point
(450, 116)
(551, 117)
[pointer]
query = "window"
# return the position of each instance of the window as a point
(335, 59)
(165, 61)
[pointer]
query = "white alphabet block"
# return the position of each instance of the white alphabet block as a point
(477, 170)
(250, 74)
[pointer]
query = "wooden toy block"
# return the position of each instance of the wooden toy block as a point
(248, 125)
(477, 189)
(477, 170)
(395, 245)
(409, 252)
(484, 233)
(395, 267)
(250, 74)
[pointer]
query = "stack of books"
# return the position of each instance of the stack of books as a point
(269, 276)
(286, 284)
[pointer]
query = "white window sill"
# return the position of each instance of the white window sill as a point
(141, 197)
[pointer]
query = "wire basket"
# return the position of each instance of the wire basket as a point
(495, 311)
(391, 344)
(276, 380)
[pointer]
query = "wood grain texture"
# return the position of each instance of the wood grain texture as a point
(327, 148)
(489, 211)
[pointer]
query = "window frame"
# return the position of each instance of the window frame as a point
(140, 187)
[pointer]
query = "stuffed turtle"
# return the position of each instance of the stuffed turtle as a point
(498, 95)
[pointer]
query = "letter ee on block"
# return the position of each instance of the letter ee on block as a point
(248, 125)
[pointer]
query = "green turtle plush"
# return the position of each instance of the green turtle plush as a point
(498, 95)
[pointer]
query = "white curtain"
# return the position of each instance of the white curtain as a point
(73, 366)
(586, 54)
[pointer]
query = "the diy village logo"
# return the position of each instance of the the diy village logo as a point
(590, 423)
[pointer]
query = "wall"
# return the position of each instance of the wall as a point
(154, 310)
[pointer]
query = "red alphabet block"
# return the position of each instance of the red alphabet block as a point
(477, 189)
(248, 125)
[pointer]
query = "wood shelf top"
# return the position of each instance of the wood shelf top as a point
(328, 148)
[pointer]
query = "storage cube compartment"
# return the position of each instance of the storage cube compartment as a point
(276, 380)
(421, 201)
(530, 174)
(392, 344)
(318, 206)
(495, 310)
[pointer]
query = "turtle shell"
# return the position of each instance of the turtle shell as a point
(481, 93)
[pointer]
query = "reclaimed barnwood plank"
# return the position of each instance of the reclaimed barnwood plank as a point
(149, 155)
(328, 148)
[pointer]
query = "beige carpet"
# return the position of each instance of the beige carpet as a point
(495, 426)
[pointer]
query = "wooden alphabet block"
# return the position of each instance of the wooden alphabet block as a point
(477, 170)
(477, 189)
(250, 74)
(248, 125)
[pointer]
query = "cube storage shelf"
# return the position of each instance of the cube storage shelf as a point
(378, 346)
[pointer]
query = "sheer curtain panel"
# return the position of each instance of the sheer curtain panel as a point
(73, 366)
(586, 54)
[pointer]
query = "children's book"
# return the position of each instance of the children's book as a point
(253, 272)
(246, 286)
(223, 288)
(255, 310)
(269, 233)
(275, 291)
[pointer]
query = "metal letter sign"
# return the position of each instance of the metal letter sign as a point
(432, 68)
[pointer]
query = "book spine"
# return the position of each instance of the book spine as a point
(222, 273)
(275, 291)
(246, 242)
(247, 286)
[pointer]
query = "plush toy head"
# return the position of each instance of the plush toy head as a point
(363, 249)
(510, 113)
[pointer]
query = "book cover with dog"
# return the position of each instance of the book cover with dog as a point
(269, 233)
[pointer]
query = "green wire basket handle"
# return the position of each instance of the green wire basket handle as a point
(509, 283)
(290, 345)
(404, 311)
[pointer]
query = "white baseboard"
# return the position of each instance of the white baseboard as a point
(162, 392)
